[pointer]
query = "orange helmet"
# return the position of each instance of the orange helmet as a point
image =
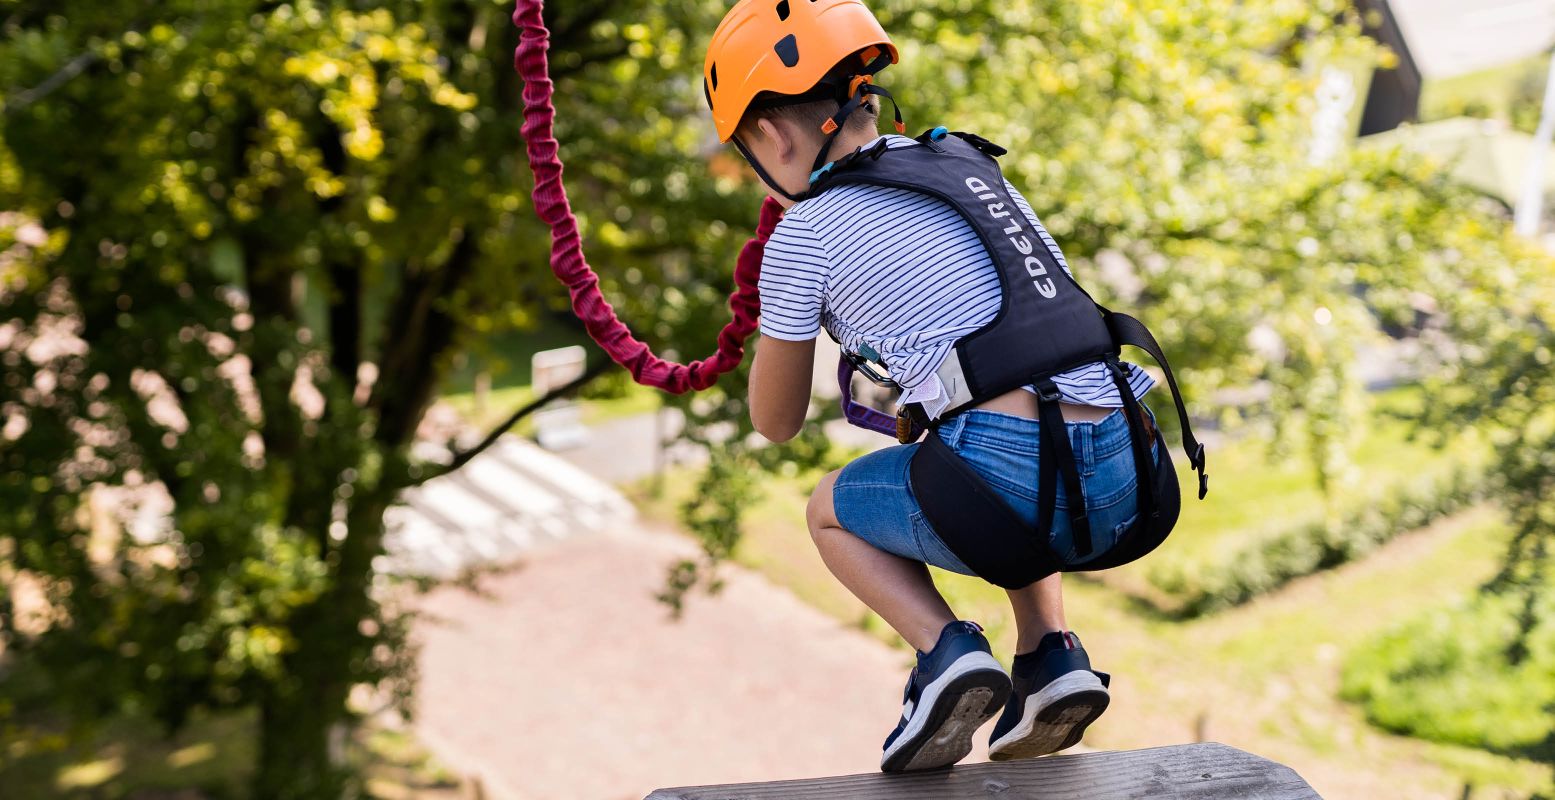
(788, 48)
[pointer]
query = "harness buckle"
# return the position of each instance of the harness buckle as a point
(1047, 391)
(1198, 464)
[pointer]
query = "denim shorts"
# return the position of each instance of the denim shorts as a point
(874, 501)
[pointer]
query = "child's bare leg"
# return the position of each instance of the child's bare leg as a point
(1039, 610)
(898, 589)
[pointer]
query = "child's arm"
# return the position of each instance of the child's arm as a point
(792, 285)
(780, 386)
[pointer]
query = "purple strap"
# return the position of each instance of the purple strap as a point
(858, 414)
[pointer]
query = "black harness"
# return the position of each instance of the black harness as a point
(1046, 325)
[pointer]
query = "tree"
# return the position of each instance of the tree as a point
(246, 239)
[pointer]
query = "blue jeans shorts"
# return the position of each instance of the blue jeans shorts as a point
(874, 501)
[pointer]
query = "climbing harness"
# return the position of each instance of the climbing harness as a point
(568, 263)
(1046, 325)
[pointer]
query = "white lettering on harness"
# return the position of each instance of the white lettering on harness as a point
(1034, 267)
(1036, 270)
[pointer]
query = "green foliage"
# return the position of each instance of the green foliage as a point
(734, 481)
(244, 241)
(1450, 676)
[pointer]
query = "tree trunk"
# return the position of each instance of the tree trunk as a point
(305, 723)
(296, 718)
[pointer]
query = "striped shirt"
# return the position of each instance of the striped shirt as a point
(905, 274)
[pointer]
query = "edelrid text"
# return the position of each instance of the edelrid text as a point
(1017, 234)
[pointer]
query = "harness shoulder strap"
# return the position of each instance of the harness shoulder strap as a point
(1127, 330)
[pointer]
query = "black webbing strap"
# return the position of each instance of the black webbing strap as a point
(1139, 440)
(1056, 451)
(840, 119)
(1127, 330)
(974, 521)
(1047, 483)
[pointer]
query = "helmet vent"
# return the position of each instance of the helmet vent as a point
(714, 74)
(782, 10)
(788, 50)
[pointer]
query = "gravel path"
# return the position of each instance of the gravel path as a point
(568, 679)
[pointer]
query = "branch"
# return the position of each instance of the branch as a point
(345, 323)
(409, 373)
(74, 67)
(587, 59)
(465, 456)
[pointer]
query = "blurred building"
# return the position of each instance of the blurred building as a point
(1464, 60)
(1438, 39)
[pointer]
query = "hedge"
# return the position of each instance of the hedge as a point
(1274, 560)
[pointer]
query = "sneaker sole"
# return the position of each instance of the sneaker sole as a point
(959, 703)
(1055, 718)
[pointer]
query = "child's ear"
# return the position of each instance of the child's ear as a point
(781, 137)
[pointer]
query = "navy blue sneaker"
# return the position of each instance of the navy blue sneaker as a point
(1057, 695)
(955, 688)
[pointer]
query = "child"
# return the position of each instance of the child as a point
(901, 276)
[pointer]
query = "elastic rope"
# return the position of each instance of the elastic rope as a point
(568, 263)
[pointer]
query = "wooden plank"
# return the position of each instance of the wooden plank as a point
(1186, 772)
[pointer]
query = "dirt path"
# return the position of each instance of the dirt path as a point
(569, 680)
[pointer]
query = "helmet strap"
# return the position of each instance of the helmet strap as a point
(750, 158)
(861, 88)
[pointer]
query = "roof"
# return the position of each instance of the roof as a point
(1455, 37)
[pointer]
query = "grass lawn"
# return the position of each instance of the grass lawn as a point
(506, 356)
(500, 403)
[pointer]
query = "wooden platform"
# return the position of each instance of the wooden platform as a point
(1185, 772)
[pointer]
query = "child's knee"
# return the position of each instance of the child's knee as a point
(820, 513)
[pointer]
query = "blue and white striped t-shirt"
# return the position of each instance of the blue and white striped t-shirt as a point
(903, 273)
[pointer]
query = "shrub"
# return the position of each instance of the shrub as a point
(1275, 560)
(1455, 675)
